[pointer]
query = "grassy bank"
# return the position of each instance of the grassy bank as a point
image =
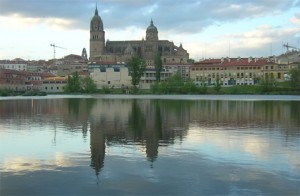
(232, 90)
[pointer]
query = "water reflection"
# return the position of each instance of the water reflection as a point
(250, 134)
(97, 140)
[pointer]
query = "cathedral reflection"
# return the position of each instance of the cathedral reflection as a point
(97, 144)
(148, 124)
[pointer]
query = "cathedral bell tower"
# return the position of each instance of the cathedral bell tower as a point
(152, 33)
(97, 37)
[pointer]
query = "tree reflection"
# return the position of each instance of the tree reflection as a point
(136, 121)
(79, 111)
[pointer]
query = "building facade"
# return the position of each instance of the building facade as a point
(110, 75)
(14, 65)
(229, 71)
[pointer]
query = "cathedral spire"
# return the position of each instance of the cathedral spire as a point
(96, 11)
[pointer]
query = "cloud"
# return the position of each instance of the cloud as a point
(175, 15)
(198, 24)
(296, 19)
(18, 22)
(264, 40)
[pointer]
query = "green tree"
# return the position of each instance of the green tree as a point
(295, 78)
(218, 84)
(158, 66)
(73, 84)
(76, 84)
(191, 61)
(174, 84)
(137, 67)
(268, 83)
(88, 85)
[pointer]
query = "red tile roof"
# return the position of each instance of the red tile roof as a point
(231, 62)
(209, 61)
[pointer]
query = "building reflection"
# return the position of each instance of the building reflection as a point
(148, 124)
(97, 144)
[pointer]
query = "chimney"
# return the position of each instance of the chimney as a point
(249, 59)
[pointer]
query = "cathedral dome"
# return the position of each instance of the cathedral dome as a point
(152, 33)
(151, 27)
(96, 22)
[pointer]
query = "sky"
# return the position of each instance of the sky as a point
(205, 28)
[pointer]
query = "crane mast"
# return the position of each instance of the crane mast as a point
(287, 46)
(54, 49)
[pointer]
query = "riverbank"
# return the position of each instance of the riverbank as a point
(232, 90)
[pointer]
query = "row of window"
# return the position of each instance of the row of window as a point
(12, 66)
(223, 68)
(52, 88)
(279, 67)
(54, 82)
(230, 75)
(96, 37)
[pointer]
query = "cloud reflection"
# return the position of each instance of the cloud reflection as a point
(21, 165)
(244, 146)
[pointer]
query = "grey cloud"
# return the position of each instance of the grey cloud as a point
(174, 15)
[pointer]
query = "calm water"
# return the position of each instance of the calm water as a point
(147, 145)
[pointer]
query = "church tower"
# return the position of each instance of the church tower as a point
(97, 37)
(151, 33)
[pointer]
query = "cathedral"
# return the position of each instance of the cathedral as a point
(122, 51)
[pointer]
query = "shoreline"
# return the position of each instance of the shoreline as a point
(222, 97)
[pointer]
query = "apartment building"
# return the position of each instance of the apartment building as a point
(229, 71)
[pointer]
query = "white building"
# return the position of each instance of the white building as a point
(110, 75)
(14, 65)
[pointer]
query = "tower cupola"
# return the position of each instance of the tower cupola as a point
(152, 32)
(96, 22)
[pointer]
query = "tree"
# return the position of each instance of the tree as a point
(137, 67)
(88, 85)
(73, 84)
(158, 66)
(218, 84)
(268, 83)
(76, 84)
(191, 61)
(295, 78)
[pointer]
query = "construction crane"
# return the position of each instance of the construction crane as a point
(287, 46)
(54, 49)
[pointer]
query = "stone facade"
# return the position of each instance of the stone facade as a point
(122, 51)
(230, 71)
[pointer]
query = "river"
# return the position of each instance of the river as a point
(150, 145)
